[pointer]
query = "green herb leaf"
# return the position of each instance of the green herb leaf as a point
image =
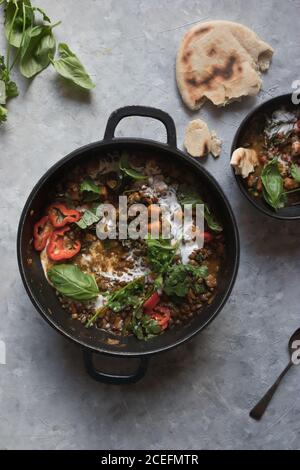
(90, 190)
(211, 221)
(9, 90)
(37, 50)
(273, 185)
(187, 195)
(89, 186)
(70, 281)
(42, 12)
(160, 254)
(145, 327)
(181, 277)
(14, 21)
(3, 114)
(126, 168)
(89, 218)
(295, 172)
(2, 92)
(70, 67)
(127, 296)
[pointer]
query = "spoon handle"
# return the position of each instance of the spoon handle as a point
(261, 406)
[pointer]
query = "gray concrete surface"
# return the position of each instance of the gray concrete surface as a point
(197, 396)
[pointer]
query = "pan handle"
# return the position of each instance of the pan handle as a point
(116, 379)
(143, 111)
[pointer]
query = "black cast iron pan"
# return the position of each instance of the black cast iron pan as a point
(94, 341)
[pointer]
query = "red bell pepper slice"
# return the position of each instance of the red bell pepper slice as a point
(152, 302)
(162, 316)
(60, 215)
(207, 237)
(60, 247)
(41, 232)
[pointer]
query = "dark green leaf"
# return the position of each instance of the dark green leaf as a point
(14, 21)
(160, 254)
(273, 185)
(11, 90)
(187, 195)
(126, 168)
(70, 281)
(145, 327)
(37, 50)
(89, 186)
(91, 192)
(211, 221)
(295, 172)
(3, 114)
(70, 67)
(127, 296)
(89, 218)
(180, 278)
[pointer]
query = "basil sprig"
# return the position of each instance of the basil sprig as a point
(187, 195)
(273, 185)
(28, 30)
(127, 169)
(37, 50)
(69, 280)
(70, 67)
(295, 172)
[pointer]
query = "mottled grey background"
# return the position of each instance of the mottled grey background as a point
(197, 396)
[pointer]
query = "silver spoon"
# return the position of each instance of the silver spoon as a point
(261, 406)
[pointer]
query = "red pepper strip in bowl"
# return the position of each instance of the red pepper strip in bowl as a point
(60, 247)
(152, 302)
(41, 232)
(60, 215)
(162, 316)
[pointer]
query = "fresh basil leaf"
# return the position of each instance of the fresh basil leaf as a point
(273, 185)
(70, 67)
(187, 195)
(91, 192)
(88, 185)
(14, 21)
(2, 92)
(42, 12)
(3, 114)
(37, 50)
(126, 168)
(70, 281)
(211, 221)
(295, 172)
(89, 218)
(11, 89)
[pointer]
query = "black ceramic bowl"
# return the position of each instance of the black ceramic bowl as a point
(43, 296)
(274, 104)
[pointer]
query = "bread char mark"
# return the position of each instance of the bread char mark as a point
(225, 72)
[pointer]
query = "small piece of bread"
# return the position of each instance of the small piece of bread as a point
(220, 61)
(199, 141)
(216, 145)
(244, 161)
